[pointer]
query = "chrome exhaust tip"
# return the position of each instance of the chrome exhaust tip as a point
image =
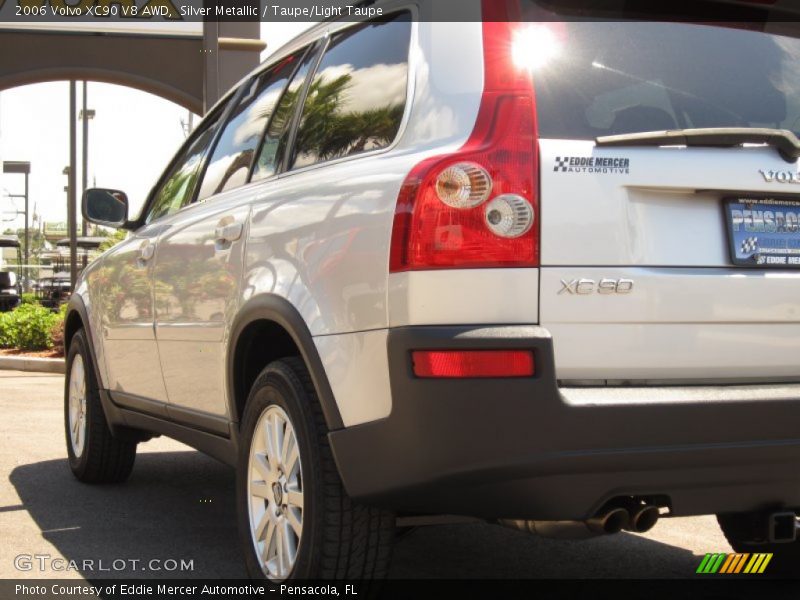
(611, 521)
(643, 518)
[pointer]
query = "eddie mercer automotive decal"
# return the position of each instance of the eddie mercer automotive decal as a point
(592, 164)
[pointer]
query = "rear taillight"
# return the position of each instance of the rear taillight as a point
(478, 207)
(473, 363)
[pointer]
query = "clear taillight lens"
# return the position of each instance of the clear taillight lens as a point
(509, 216)
(463, 185)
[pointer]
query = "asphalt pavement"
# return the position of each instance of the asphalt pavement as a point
(178, 506)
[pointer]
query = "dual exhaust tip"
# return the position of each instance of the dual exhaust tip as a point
(629, 515)
(635, 517)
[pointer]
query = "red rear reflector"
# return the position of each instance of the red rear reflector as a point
(473, 363)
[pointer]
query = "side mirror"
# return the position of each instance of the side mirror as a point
(106, 207)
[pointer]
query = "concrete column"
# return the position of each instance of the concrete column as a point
(72, 212)
(230, 51)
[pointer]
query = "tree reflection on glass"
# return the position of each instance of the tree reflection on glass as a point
(326, 131)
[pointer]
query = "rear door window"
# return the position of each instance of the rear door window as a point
(276, 138)
(233, 155)
(355, 102)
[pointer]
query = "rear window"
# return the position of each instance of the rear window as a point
(356, 100)
(608, 78)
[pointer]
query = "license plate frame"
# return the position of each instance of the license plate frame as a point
(761, 241)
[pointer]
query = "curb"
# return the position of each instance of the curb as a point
(27, 363)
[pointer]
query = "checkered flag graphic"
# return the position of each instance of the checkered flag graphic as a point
(561, 164)
(749, 245)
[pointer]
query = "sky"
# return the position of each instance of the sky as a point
(131, 139)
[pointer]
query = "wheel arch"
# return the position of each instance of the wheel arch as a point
(77, 318)
(271, 317)
(72, 323)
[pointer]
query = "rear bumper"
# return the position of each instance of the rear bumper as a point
(523, 448)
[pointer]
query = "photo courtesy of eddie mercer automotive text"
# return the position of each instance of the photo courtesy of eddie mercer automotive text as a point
(356, 294)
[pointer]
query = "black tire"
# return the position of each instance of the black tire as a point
(745, 533)
(340, 539)
(103, 458)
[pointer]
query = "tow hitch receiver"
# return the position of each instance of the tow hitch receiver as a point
(783, 527)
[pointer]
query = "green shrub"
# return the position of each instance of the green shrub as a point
(57, 330)
(29, 298)
(28, 327)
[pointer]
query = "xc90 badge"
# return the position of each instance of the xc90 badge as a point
(584, 287)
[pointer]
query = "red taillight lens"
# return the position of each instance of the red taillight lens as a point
(430, 233)
(473, 363)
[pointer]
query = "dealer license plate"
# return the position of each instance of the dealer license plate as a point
(764, 232)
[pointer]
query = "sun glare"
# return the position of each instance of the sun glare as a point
(534, 46)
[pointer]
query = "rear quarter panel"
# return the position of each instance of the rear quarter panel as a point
(320, 236)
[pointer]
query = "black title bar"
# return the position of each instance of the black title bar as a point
(98, 12)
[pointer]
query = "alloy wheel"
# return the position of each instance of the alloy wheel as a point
(77, 405)
(275, 493)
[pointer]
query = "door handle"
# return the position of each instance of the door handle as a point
(146, 251)
(227, 232)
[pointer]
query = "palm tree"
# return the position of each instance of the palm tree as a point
(325, 131)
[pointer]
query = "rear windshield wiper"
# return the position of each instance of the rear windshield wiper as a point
(783, 140)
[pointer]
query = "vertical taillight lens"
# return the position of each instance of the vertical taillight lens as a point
(478, 207)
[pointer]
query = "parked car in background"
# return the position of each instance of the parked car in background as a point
(420, 267)
(55, 289)
(52, 292)
(10, 286)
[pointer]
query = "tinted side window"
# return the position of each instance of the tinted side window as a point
(178, 187)
(276, 138)
(356, 100)
(230, 162)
